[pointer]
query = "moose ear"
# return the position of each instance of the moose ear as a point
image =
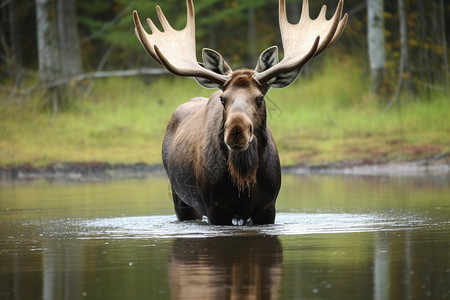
(213, 61)
(268, 59)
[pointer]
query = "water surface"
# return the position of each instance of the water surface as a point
(359, 237)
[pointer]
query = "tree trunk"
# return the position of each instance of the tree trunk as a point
(48, 44)
(69, 41)
(405, 71)
(14, 35)
(405, 76)
(404, 80)
(444, 45)
(48, 49)
(376, 46)
(424, 57)
(252, 51)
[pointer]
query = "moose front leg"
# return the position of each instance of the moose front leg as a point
(219, 216)
(183, 211)
(267, 216)
(222, 216)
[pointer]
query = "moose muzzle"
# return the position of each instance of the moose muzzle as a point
(238, 132)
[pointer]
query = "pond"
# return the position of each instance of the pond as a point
(335, 236)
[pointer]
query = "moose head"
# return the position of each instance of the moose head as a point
(215, 149)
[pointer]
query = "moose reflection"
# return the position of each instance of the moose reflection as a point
(219, 153)
(236, 267)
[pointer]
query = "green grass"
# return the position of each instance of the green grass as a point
(331, 118)
(326, 118)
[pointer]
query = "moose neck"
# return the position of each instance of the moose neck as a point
(243, 165)
(244, 127)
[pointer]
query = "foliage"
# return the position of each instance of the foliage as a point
(327, 115)
(106, 28)
(108, 41)
(320, 119)
(427, 42)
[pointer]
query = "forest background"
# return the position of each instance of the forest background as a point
(76, 85)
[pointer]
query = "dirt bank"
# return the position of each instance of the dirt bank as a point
(411, 168)
(98, 171)
(80, 171)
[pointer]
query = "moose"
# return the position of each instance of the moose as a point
(219, 153)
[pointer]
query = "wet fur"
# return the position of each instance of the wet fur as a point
(209, 179)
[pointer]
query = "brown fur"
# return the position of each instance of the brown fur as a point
(242, 78)
(241, 179)
(210, 177)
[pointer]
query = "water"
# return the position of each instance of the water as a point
(340, 237)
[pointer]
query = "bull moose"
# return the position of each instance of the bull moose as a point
(219, 153)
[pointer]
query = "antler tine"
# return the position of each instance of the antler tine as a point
(333, 34)
(175, 49)
(305, 10)
(190, 18)
(304, 40)
(340, 29)
(162, 19)
(141, 35)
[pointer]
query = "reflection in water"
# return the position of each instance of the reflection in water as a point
(67, 282)
(381, 267)
(334, 237)
(376, 265)
(237, 267)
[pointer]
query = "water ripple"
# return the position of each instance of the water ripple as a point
(286, 224)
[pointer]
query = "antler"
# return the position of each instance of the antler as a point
(175, 49)
(304, 40)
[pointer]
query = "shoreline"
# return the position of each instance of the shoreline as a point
(400, 169)
(103, 171)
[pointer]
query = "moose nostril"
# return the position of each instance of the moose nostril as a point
(236, 132)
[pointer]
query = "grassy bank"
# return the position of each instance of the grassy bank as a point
(323, 119)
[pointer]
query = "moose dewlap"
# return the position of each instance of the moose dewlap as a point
(219, 153)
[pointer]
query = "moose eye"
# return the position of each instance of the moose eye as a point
(260, 99)
(222, 100)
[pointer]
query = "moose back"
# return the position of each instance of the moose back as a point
(219, 153)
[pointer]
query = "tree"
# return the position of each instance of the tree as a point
(405, 79)
(58, 46)
(48, 48)
(376, 46)
(251, 52)
(425, 36)
(16, 49)
(12, 48)
(239, 30)
(69, 40)
(444, 45)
